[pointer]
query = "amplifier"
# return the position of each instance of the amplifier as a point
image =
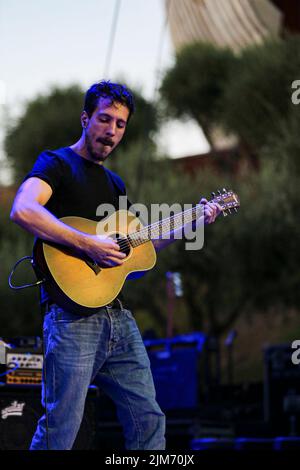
(24, 366)
(174, 364)
(20, 410)
(281, 389)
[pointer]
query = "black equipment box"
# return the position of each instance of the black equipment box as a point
(20, 410)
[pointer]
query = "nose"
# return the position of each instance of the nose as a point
(111, 129)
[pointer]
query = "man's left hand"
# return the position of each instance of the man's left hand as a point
(211, 210)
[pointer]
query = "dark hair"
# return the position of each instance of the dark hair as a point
(106, 89)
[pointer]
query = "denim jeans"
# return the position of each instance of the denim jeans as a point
(108, 345)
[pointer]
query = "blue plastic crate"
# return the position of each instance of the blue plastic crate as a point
(174, 367)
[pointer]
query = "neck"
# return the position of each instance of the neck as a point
(81, 149)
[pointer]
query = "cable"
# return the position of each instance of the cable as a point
(112, 37)
(45, 377)
(24, 286)
(157, 70)
(156, 78)
(8, 371)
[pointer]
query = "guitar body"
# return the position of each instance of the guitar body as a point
(80, 285)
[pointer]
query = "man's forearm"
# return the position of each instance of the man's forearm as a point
(37, 220)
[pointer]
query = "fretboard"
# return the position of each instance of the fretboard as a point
(165, 226)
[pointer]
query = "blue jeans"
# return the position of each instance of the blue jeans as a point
(108, 345)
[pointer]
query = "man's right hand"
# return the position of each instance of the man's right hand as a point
(104, 251)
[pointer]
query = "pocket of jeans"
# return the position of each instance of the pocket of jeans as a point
(58, 315)
(128, 314)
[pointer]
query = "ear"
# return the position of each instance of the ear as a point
(84, 119)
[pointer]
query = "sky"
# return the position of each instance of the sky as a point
(61, 42)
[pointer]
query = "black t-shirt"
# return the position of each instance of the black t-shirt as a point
(79, 186)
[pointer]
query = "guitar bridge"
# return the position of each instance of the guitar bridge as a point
(93, 265)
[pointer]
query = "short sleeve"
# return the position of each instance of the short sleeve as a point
(117, 182)
(48, 167)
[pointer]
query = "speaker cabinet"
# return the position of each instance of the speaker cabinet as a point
(174, 364)
(20, 410)
(281, 390)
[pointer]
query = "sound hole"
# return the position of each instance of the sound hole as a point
(122, 241)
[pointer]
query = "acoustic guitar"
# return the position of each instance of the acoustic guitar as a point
(80, 284)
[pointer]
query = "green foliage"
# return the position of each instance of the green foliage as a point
(48, 122)
(247, 95)
(257, 100)
(283, 148)
(19, 309)
(195, 86)
(250, 262)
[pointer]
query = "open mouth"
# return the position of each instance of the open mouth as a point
(108, 143)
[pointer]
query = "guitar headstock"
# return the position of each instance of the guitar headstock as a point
(228, 200)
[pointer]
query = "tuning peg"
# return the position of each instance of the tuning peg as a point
(224, 213)
(229, 211)
(213, 194)
(219, 192)
(235, 209)
(224, 190)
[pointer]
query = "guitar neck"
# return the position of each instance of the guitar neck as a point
(227, 200)
(165, 226)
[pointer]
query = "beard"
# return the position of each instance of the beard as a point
(95, 155)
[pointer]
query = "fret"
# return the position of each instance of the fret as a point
(227, 200)
(158, 229)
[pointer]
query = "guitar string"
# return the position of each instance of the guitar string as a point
(158, 227)
(143, 234)
(173, 222)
